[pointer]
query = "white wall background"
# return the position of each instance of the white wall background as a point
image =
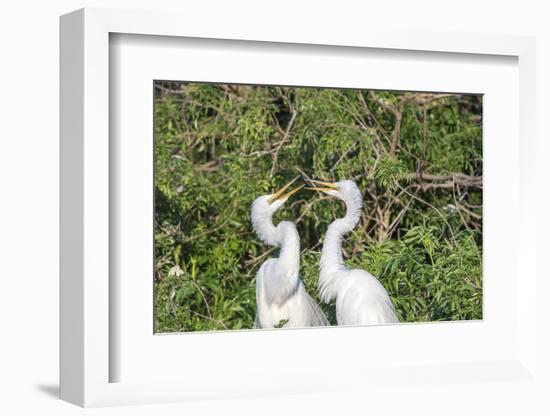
(29, 203)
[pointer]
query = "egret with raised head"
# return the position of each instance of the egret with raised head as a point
(360, 297)
(281, 298)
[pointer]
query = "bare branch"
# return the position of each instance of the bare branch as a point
(445, 181)
(283, 141)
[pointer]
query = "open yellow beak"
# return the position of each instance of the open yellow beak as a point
(280, 193)
(327, 186)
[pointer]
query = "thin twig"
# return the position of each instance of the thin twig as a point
(431, 206)
(208, 318)
(278, 148)
(203, 297)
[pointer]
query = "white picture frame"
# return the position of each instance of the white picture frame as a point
(86, 351)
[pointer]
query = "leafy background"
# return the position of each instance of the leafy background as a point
(416, 156)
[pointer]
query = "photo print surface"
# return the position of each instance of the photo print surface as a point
(291, 207)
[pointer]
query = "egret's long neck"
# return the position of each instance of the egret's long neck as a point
(331, 256)
(263, 225)
(284, 235)
(290, 246)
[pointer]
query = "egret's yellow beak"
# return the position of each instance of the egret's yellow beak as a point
(280, 193)
(327, 186)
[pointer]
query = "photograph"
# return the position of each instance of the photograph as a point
(280, 207)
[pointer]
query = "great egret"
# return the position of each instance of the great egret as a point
(360, 297)
(281, 298)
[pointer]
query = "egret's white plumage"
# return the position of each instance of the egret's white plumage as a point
(281, 298)
(360, 297)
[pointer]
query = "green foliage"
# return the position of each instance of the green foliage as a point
(389, 172)
(218, 147)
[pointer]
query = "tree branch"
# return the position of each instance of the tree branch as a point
(431, 181)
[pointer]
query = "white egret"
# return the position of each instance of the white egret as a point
(360, 297)
(281, 298)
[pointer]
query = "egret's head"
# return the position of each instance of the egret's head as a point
(272, 202)
(346, 190)
(265, 206)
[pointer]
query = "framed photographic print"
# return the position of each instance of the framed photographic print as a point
(211, 272)
(269, 213)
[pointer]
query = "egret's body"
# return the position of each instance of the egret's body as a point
(281, 298)
(360, 297)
